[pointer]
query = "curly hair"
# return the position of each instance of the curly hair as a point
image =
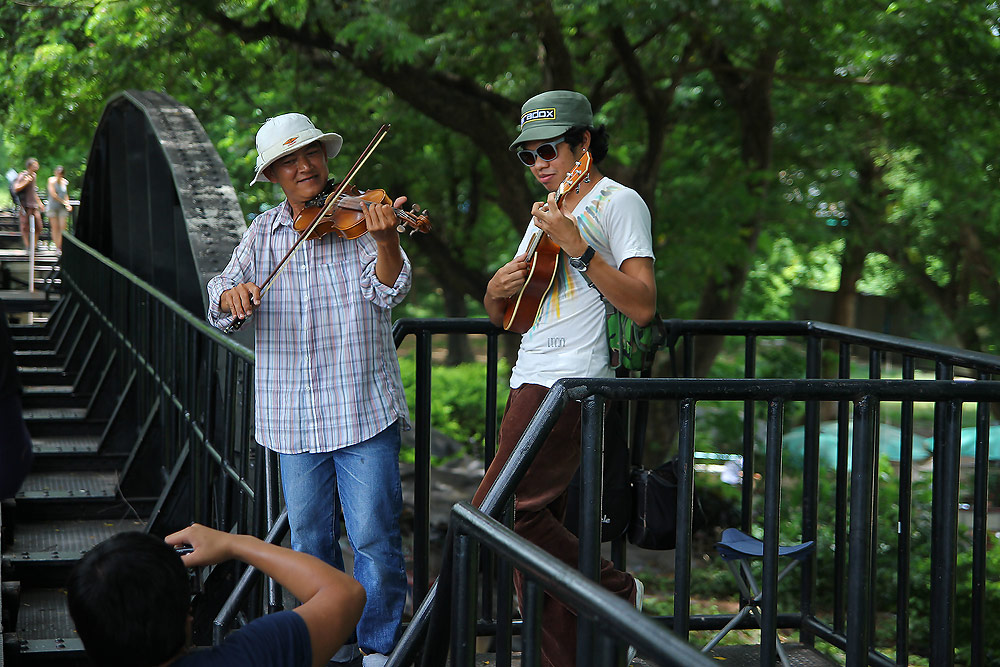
(598, 140)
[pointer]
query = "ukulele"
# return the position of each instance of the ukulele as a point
(522, 308)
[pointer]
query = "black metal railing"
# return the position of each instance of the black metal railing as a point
(614, 618)
(860, 542)
(189, 390)
(423, 330)
(942, 360)
(907, 357)
(192, 387)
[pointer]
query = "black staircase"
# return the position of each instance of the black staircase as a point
(70, 501)
(108, 403)
(16, 274)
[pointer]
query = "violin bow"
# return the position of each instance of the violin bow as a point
(331, 201)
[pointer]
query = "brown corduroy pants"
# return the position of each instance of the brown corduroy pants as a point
(539, 508)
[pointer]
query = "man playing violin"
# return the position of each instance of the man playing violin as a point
(603, 229)
(328, 393)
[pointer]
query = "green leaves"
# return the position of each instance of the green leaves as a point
(738, 122)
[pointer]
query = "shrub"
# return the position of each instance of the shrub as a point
(459, 406)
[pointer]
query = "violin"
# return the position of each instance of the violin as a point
(347, 219)
(345, 216)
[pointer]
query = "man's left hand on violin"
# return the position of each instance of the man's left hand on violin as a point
(382, 221)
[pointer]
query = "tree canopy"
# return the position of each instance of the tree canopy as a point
(777, 144)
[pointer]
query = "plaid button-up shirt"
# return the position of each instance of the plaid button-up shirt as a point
(326, 375)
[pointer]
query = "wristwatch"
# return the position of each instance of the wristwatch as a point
(583, 261)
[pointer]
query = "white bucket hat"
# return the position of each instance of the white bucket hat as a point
(286, 134)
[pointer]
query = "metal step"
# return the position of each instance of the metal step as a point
(51, 495)
(81, 486)
(747, 655)
(44, 256)
(45, 630)
(23, 301)
(42, 553)
(46, 428)
(43, 422)
(54, 414)
(66, 444)
(57, 397)
(30, 342)
(39, 359)
(37, 376)
(73, 452)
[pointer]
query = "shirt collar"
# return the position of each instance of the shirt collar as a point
(282, 215)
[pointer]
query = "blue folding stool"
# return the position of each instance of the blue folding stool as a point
(737, 546)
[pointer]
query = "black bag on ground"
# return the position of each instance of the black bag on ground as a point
(654, 507)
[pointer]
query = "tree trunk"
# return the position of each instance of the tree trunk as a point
(750, 97)
(459, 351)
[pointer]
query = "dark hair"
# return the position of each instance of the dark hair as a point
(129, 597)
(598, 140)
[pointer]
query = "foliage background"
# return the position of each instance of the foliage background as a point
(839, 146)
(844, 146)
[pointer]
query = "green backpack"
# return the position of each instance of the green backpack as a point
(632, 347)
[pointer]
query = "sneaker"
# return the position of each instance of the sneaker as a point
(347, 656)
(639, 588)
(374, 660)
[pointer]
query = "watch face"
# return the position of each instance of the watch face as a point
(578, 264)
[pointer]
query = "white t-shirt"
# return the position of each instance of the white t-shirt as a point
(568, 337)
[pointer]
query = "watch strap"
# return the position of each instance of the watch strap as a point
(585, 258)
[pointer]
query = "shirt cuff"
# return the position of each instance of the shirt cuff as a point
(216, 286)
(388, 296)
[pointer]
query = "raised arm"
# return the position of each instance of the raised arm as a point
(331, 600)
(22, 180)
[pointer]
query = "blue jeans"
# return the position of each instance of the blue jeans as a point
(364, 480)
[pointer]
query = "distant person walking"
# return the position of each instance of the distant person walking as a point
(58, 208)
(30, 206)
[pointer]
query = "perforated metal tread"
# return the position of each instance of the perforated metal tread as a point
(63, 540)
(82, 485)
(66, 444)
(44, 615)
(45, 256)
(55, 413)
(46, 390)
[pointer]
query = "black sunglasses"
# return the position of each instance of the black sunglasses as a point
(546, 151)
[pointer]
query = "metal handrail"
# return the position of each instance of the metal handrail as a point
(687, 391)
(866, 394)
(619, 619)
(178, 310)
(884, 342)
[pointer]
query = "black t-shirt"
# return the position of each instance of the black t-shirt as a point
(10, 381)
(275, 640)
